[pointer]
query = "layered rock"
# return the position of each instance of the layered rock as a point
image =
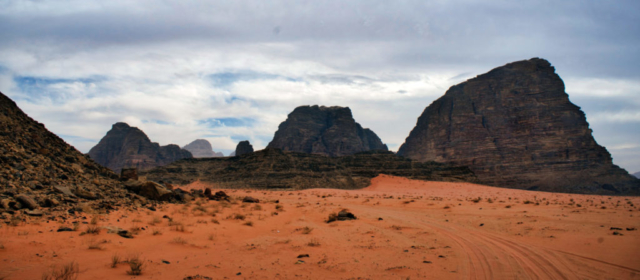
(128, 147)
(244, 147)
(515, 127)
(274, 168)
(38, 169)
(323, 130)
(201, 148)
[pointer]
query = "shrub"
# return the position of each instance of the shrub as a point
(115, 259)
(136, 265)
(68, 271)
(92, 230)
(313, 243)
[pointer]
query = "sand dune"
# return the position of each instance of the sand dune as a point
(405, 229)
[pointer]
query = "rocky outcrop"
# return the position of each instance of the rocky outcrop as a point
(244, 147)
(323, 130)
(201, 148)
(38, 169)
(273, 168)
(128, 147)
(515, 127)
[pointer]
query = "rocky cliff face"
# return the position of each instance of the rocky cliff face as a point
(127, 147)
(244, 147)
(38, 165)
(273, 168)
(323, 130)
(201, 148)
(515, 127)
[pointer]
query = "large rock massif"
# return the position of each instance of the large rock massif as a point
(38, 169)
(274, 168)
(201, 148)
(244, 147)
(637, 174)
(323, 130)
(128, 147)
(515, 127)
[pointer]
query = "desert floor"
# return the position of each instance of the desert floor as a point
(405, 229)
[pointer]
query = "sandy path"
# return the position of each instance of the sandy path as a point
(405, 229)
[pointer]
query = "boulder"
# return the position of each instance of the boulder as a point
(27, 201)
(129, 174)
(155, 191)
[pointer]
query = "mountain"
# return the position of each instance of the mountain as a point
(125, 147)
(515, 127)
(637, 174)
(244, 147)
(40, 169)
(201, 148)
(274, 168)
(323, 130)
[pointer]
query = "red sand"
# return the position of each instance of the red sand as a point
(429, 230)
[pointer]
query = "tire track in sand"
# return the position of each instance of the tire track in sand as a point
(491, 256)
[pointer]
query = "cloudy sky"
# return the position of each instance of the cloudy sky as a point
(232, 70)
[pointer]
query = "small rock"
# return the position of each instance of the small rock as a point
(125, 233)
(303, 256)
(167, 262)
(35, 213)
(426, 261)
(299, 262)
(379, 219)
(630, 229)
(615, 228)
(249, 199)
(61, 229)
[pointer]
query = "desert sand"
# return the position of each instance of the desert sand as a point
(405, 229)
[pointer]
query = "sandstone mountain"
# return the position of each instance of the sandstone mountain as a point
(323, 130)
(37, 168)
(128, 147)
(274, 168)
(201, 148)
(515, 127)
(244, 147)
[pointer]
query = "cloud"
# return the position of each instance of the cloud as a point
(230, 70)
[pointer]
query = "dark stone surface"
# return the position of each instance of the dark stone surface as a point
(276, 169)
(515, 127)
(126, 147)
(129, 174)
(323, 130)
(244, 147)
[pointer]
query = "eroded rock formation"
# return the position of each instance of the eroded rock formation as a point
(201, 148)
(274, 168)
(244, 147)
(515, 127)
(323, 130)
(128, 147)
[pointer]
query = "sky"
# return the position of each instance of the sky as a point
(228, 71)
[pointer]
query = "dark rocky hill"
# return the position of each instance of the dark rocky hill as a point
(273, 168)
(38, 165)
(128, 147)
(515, 127)
(244, 147)
(323, 130)
(200, 148)
(637, 174)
